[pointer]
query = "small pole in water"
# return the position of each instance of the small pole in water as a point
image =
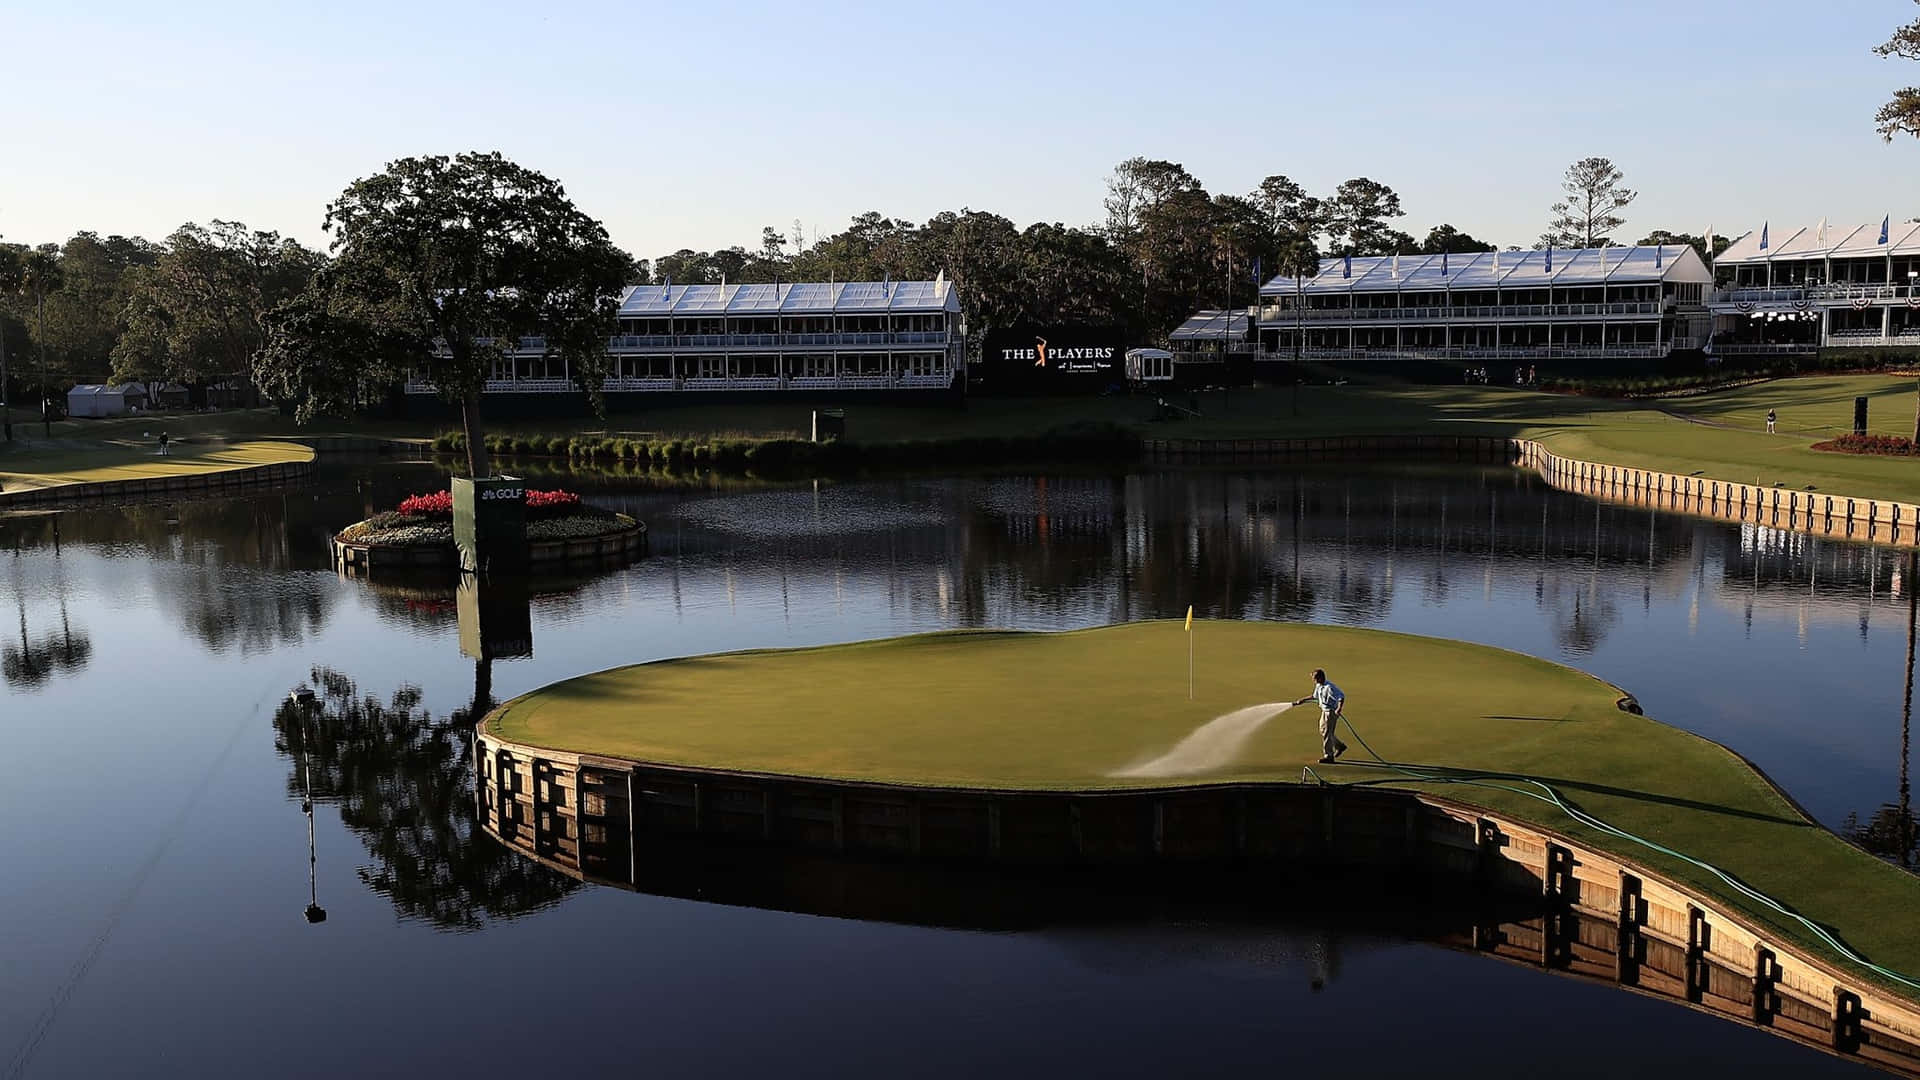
(1189, 652)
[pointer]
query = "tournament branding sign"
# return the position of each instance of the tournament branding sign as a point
(1040, 359)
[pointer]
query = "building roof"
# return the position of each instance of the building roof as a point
(1501, 269)
(789, 298)
(96, 389)
(1822, 242)
(1213, 325)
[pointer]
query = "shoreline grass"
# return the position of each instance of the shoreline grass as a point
(61, 465)
(1718, 434)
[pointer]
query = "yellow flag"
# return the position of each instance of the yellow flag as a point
(1189, 618)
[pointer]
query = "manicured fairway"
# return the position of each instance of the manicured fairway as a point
(92, 464)
(1067, 711)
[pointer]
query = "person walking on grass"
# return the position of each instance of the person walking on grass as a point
(1770, 421)
(1331, 701)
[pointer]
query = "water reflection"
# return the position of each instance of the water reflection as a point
(1891, 830)
(29, 662)
(402, 780)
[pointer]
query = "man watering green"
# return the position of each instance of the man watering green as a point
(1331, 701)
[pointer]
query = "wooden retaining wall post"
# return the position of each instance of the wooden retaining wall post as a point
(1626, 956)
(1764, 974)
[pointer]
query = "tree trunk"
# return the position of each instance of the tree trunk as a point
(476, 438)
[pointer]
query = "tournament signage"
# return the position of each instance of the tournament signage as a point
(1050, 359)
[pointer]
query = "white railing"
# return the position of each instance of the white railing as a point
(1760, 349)
(937, 380)
(1500, 311)
(1777, 295)
(1844, 291)
(1483, 352)
(1832, 293)
(775, 341)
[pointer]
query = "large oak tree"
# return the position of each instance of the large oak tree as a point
(473, 253)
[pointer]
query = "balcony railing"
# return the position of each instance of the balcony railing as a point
(776, 341)
(1764, 349)
(1472, 352)
(1831, 293)
(1282, 317)
(934, 381)
(751, 341)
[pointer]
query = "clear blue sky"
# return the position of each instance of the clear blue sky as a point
(694, 124)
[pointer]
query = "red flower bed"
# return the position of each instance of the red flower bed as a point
(540, 504)
(437, 504)
(1888, 445)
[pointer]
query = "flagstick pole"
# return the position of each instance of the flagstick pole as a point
(1189, 665)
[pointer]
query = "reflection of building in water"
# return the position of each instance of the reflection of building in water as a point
(1308, 542)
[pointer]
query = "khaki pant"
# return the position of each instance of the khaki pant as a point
(1330, 745)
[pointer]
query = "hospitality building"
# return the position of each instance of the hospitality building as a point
(1608, 303)
(1797, 290)
(867, 336)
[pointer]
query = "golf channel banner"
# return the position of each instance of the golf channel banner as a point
(1033, 359)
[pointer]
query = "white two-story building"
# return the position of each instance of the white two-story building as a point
(869, 336)
(1796, 290)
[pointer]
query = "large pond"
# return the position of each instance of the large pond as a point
(154, 857)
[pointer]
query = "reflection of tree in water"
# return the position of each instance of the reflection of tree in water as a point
(403, 782)
(1890, 833)
(31, 662)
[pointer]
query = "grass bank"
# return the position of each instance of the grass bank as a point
(1720, 434)
(51, 465)
(1069, 711)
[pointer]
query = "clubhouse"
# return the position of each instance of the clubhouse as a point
(1795, 291)
(1595, 303)
(789, 336)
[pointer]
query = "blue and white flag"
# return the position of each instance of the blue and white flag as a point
(1657, 263)
(1763, 236)
(1549, 258)
(1256, 270)
(1346, 267)
(1443, 264)
(1884, 223)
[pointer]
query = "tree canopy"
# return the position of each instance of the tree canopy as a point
(1901, 116)
(1589, 210)
(470, 253)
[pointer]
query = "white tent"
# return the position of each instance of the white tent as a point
(1149, 365)
(96, 400)
(92, 399)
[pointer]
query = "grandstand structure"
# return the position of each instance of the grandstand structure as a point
(1592, 303)
(787, 336)
(1798, 290)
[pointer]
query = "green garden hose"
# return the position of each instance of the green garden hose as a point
(1548, 794)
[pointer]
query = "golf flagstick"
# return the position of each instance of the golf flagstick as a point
(1189, 652)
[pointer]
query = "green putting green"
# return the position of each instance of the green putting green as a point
(38, 468)
(1108, 708)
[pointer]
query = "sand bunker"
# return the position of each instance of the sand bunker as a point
(1212, 745)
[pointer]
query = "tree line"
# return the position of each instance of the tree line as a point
(333, 330)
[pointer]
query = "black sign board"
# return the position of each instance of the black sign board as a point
(1052, 359)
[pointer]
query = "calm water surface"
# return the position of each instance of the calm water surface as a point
(156, 859)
